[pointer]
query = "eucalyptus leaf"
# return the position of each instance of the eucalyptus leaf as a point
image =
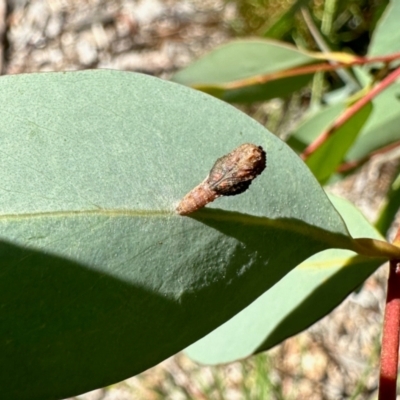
(303, 296)
(240, 59)
(245, 59)
(101, 279)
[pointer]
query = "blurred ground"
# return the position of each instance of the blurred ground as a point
(151, 36)
(337, 358)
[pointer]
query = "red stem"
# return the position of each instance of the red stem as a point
(391, 331)
(349, 112)
(304, 70)
(390, 338)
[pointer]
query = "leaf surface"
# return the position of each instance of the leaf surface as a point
(101, 279)
(302, 297)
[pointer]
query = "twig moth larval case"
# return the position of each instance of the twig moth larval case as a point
(230, 175)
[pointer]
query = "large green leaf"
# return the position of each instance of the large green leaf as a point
(302, 297)
(241, 59)
(100, 278)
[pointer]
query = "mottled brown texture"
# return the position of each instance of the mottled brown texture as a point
(230, 175)
(196, 198)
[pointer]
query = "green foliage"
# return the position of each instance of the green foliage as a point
(101, 279)
(320, 283)
(345, 23)
(96, 265)
(324, 161)
(244, 59)
(386, 36)
(294, 303)
(379, 130)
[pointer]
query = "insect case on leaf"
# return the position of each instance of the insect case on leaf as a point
(231, 174)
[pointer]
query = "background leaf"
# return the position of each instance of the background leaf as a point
(302, 297)
(100, 278)
(324, 161)
(313, 125)
(390, 207)
(284, 22)
(381, 128)
(275, 88)
(241, 59)
(386, 36)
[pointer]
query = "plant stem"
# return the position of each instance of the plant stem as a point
(302, 70)
(345, 75)
(391, 331)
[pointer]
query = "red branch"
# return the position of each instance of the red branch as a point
(302, 70)
(391, 332)
(349, 112)
(390, 338)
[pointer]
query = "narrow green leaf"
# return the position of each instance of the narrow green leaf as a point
(313, 125)
(382, 128)
(284, 23)
(389, 208)
(324, 161)
(241, 59)
(301, 298)
(266, 91)
(386, 36)
(260, 92)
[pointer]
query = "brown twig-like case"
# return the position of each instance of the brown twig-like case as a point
(231, 174)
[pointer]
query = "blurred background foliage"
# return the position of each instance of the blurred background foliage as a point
(345, 25)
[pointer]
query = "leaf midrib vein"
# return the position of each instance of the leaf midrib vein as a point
(102, 212)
